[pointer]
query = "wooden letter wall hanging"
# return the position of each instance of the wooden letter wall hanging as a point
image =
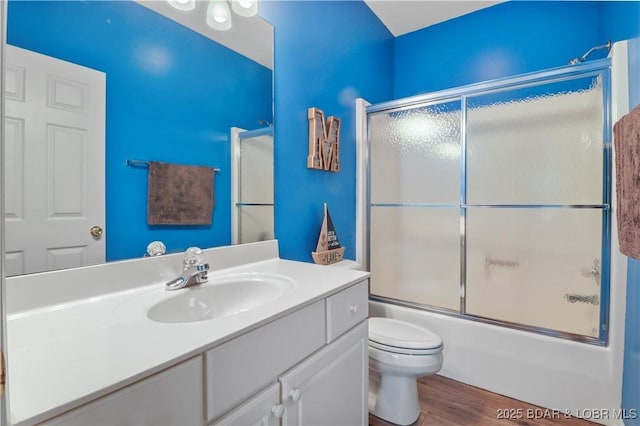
(324, 141)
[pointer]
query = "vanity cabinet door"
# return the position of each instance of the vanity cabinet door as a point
(239, 368)
(331, 387)
(172, 397)
(263, 409)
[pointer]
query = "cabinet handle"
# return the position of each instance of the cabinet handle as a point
(295, 394)
(354, 309)
(278, 411)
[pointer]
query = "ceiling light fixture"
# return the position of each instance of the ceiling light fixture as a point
(218, 12)
(245, 7)
(219, 15)
(183, 4)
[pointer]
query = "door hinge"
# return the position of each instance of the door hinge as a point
(2, 374)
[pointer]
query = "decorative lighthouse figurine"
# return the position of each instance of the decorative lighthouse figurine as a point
(328, 250)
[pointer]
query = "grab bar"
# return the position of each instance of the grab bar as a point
(488, 262)
(593, 299)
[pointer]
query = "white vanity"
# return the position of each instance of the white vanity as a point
(84, 349)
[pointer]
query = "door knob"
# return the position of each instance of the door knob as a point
(278, 411)
(295, 394)
(96, 231)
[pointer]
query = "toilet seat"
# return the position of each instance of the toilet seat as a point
(400, 337)
(405, 351)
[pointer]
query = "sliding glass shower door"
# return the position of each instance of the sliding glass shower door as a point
(492, 202)
(415, 158)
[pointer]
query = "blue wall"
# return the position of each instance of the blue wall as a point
(327, 54)
(505, 40)
(172, 95)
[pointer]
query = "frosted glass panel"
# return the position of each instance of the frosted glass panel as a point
(415, 155)
(537, 267)
(540, 145)
(256, 169)
(255, 223)
(415, 255)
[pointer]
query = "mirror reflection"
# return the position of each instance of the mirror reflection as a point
(127, 83)
(252, 165)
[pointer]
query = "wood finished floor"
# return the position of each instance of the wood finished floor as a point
(445, 402)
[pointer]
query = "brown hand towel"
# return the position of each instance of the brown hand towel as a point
(179, 195)
(626, 134)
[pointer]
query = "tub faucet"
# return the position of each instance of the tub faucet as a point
(194, 271)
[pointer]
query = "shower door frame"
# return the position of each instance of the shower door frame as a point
(554, 75)
(237, 136)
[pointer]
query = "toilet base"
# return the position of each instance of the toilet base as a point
(394, 398)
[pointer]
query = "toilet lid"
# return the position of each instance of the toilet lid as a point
(401, 334)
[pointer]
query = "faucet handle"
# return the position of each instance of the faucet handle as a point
(201, 276)
(192, 256)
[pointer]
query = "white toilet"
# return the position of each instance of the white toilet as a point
(399, 353)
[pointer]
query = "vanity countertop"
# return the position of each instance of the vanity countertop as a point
(64, 355)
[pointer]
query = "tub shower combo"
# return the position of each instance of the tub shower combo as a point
(491, 205)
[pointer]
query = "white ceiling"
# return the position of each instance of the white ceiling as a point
(405, 16)
(253, 37)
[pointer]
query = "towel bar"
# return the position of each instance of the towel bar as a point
(145, 164)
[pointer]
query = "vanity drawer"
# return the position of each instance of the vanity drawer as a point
(241, 367)
(171, 397)
(346, 309)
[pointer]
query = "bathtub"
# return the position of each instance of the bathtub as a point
(574, 378)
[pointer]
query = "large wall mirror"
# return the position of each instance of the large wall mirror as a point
(92, 86)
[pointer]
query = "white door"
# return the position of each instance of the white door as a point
(330, 388)
(54, 163)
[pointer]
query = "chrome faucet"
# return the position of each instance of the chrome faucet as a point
(193, 270)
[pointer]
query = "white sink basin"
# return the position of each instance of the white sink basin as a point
(229, 295)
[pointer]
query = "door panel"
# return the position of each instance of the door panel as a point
(263, 409)
(55, 142)
(331, 387)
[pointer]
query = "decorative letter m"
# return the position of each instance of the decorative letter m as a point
(324, 141)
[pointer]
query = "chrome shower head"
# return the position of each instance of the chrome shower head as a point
(589, 52)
